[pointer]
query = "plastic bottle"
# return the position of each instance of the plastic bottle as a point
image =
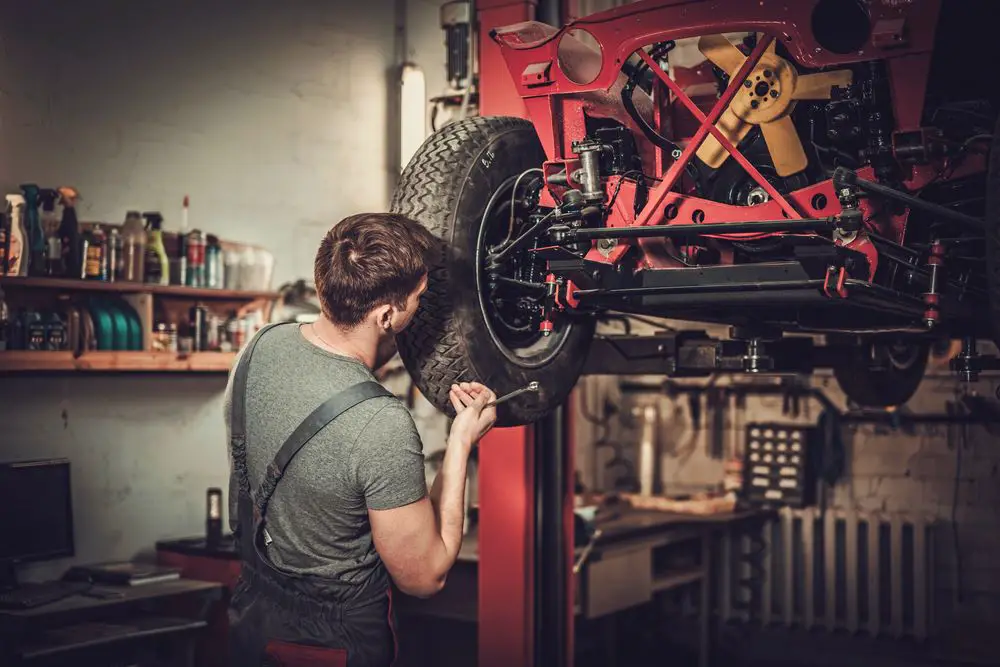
(4, 242)
(54, 266)
(116, 261)
(134, 248)
(17, 248)
(157, 262)
(69, 233)
(4, 321)
(37, 248)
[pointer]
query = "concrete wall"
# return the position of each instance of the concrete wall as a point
(277, 121)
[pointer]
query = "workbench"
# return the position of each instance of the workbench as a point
(138, 621)
(639, 555)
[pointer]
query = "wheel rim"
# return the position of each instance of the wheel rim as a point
(514, 332)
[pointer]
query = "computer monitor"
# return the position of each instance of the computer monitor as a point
(36, 514)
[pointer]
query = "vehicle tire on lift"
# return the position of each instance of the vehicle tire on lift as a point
(882, 374)
(993, 234)
(447, 186)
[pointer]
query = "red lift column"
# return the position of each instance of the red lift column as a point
(519, 593)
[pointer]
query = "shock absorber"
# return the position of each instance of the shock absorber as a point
(932, 298)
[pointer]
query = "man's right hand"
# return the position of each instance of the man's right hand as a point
(473, 418)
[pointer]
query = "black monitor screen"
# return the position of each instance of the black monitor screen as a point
(36, 517)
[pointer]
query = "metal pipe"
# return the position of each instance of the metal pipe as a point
(842, 176)
(700, 289)
(685, 229)
(551, 555)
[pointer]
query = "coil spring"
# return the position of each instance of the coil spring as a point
(752, 584)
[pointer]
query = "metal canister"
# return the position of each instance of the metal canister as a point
(213, 262)
(195, 259)
(116, 256)
(199, 327)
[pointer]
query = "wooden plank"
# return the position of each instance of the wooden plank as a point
(64, 284)
(23, 361)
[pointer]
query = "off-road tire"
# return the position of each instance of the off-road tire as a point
(888, 386)
(446, 187)
(993, 234)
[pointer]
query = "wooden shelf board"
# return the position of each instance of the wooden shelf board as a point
(128, 287)
(678, 578)
(24, 361)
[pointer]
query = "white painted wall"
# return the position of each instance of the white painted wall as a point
(277, 120)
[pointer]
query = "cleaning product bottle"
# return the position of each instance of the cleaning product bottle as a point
(4, 242)
(69, 233)
(4, 321)
(17, 247)
(54, 266)
(157, 263)
(182, 246)
(134, 248)
(37, 250)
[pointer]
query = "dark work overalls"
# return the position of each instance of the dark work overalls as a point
(281, 618)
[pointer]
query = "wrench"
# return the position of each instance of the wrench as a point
(531, 386)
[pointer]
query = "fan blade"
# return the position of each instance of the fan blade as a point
(733, 128)
(721, 51)
(785, 146)
(817, 86)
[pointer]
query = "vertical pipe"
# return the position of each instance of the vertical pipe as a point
(726, 594)
(896, 558)
(550, 541)
(787, 523)
(809, 570)
(851, 579)
(920, 579)
(874, 585)
(768, 578)
(830, 567)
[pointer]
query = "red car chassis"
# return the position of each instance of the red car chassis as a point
(565, 83)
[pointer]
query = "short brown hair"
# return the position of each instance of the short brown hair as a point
(370, 259)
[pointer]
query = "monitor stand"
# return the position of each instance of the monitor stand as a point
(8, 575)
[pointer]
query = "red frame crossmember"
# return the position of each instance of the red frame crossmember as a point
(659, 193)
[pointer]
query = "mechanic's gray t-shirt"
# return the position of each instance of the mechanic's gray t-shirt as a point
(370, 457)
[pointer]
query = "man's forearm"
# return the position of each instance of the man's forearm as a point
(448, 498)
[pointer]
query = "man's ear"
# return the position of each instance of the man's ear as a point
(383, 317)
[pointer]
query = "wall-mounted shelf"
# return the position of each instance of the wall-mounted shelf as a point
(69, 285)
(25, 361)
(170, 301)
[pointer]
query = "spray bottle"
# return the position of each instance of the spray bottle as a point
(17, 248)
(157, 262)
(69, 233)
(37, 248)
(54, 266)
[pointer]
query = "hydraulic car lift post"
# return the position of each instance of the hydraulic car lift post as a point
(525, 613)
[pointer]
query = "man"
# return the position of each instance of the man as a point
(327, 466)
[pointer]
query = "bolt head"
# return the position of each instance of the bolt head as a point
(747, 84)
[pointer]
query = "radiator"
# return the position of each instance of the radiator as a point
(864, 573)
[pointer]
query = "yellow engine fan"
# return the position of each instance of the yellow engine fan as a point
(766, 99)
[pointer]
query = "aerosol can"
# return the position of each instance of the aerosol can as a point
(37, 251)
(17, 263)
